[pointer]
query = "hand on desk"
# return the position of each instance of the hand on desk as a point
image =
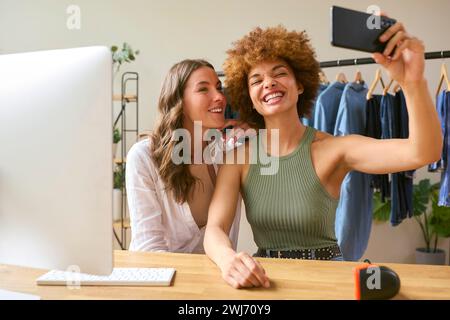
(240, 270)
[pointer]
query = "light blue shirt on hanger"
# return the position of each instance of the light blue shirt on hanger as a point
(327, 106)
(354, 212)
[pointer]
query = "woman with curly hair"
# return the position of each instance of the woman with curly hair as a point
(169, 200)
(272, 76)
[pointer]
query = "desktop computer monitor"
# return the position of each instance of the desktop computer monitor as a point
(56, 161)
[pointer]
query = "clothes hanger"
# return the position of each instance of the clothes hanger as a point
(395, 89)
(386, 89)
(358, 77)
(378, 78)
(340, 77)
(323, 78)
(442, 77)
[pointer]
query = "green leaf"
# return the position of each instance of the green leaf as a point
(116, 136)
(119, 177)
(381, 210)
(440, 218)
(421, 196)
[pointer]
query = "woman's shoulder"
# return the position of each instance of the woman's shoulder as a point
(327, 144)
(141, 147)
(321, 135)
(140, 152)
(325, 138)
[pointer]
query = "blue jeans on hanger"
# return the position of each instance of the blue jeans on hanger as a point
(394, 118)
(444, 197)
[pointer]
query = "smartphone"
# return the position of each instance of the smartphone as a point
(358, 30)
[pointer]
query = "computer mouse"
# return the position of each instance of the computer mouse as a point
(373, 282)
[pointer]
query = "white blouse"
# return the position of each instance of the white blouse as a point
(158, 222)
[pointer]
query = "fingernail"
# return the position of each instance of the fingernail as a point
(267, 284)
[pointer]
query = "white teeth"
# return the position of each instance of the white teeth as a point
(272, 96)
(216, 110)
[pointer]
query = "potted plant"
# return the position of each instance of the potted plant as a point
(119, 182)
(126, 54)
(434, 221)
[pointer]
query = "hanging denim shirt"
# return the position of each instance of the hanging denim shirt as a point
(442, 113)
(327, 107)
(309, 121)
(444, 196)
(394, 120)
(354, 212)
(388, 126)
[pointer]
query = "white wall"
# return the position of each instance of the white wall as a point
(170, 30)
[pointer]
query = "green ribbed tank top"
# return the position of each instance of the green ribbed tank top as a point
(290, 209)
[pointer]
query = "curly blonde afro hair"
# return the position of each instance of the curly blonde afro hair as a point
(273, 43)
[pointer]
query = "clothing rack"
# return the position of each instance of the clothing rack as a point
(361, 61)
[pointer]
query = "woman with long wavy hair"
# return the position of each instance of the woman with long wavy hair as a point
(168, 200)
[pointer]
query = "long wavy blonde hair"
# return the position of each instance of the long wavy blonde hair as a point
(176, 177)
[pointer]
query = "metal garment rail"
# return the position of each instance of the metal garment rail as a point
(361, 61)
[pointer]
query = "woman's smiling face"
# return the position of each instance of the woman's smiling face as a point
(203, 98)
(272, 87)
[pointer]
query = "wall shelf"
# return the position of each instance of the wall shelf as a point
(119, 161)
(127, 98)
(126, 224)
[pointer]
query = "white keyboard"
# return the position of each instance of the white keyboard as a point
(12, 295)
(119, 277)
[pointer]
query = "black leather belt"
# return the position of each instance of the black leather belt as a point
(326, 253)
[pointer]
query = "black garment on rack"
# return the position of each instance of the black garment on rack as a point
(403, 181)
(379, 182)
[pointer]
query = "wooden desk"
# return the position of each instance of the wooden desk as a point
(198, 278)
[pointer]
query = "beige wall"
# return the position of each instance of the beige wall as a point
(170, 30)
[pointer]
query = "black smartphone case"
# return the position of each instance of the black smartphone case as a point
(350, 30)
